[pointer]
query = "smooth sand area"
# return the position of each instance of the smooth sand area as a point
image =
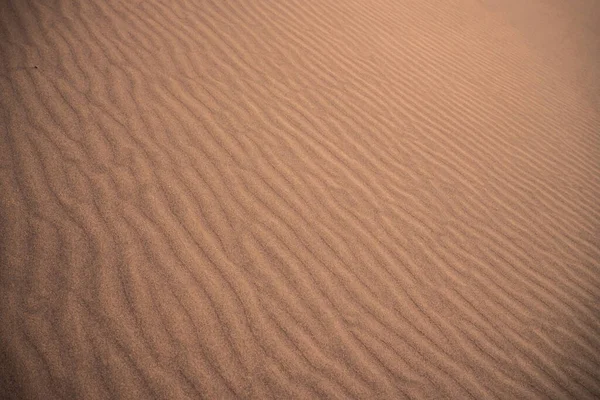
(299, 199)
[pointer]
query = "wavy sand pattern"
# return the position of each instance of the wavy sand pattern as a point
(300, 199)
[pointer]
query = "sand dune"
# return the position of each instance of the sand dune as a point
(299, 199)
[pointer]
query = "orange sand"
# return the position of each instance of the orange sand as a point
(300, 199)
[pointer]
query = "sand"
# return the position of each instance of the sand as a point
(299, 199)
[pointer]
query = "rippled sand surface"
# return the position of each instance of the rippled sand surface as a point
(299, 199)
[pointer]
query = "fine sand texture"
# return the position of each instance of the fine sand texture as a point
(299, 199)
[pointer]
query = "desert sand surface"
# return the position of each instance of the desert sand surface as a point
(299, 199)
